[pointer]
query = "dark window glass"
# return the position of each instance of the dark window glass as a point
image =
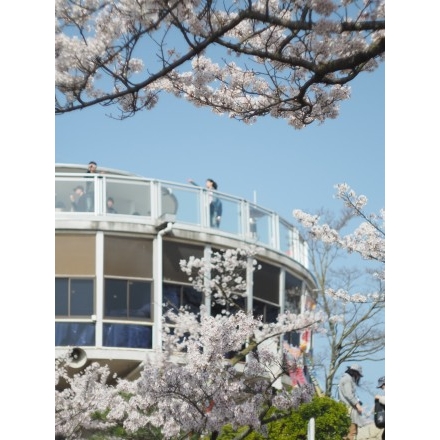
(127, 335)
(292, 338)
(74, 333)
(258, 309)
(61, 296)
(140, 299)
(266, 283)
(268, 311)
(216, 309)
(175, 296)
(172, 254)
(271, 313)
(240, 304)
(74, 297)
(171, 297)
(192, 299)
(293, 289)
(115, 302)
(81, 297)
(127, 299)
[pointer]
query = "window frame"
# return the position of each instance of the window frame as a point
(69, 297)
(128, 317)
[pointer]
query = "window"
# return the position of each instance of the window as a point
(172, 254)
(128, 257)
(240, 304)
(293, 289)
(268, 311)
(266, 283)
(292, 338)
(127, 299)
(175, 296)
(74, 333)
(127, 335)
(75, 254)
(74, 297)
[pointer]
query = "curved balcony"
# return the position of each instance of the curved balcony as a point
(154, 202)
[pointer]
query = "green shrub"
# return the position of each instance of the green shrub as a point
(331, 423)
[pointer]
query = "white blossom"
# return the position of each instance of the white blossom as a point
(367, 240)
(243, 59)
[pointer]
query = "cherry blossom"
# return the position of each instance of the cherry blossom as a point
(292, 59)
(367, 240)
(211, 370)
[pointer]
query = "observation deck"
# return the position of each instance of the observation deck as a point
(150, 203)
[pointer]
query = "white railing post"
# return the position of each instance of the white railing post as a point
(311, 429)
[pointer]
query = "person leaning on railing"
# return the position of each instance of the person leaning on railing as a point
(215, 204)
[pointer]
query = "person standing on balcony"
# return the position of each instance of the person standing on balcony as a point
(91, 169)
(347, 395)
(215, 204)
(79, 199)
(111, 206)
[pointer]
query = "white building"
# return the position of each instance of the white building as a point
(115, 271)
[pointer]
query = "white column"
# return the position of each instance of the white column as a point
(99, 286)
(158, 287)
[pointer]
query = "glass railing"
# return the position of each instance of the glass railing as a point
(152, 201)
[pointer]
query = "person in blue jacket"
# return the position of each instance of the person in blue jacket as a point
(215, 204)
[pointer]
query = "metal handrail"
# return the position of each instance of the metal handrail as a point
(139, 199)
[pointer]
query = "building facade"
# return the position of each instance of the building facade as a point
(117, 262)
